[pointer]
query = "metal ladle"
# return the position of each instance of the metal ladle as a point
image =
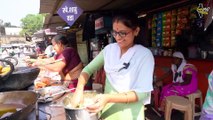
(46, 98)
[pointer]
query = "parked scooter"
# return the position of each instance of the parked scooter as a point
(12, 59)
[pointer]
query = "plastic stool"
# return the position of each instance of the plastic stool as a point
(192, 97)
(178, 103)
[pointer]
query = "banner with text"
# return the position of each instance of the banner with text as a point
(69, 11)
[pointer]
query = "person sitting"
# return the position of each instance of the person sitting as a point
(184, 82)
(66, 62)
(207, 109)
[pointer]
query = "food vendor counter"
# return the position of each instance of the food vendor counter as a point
(204, 67)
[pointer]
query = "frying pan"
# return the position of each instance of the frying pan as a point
(26, 98)
(20, 79)
(6, 62)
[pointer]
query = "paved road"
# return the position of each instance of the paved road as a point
(20, 58)
(21, 62)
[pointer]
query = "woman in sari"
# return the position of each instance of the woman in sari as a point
(184, 79)
(66, 62)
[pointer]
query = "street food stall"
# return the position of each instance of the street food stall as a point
(182, 28)
(167, 26)
(161, 27)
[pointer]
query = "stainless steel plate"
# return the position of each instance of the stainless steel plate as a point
(47, 94)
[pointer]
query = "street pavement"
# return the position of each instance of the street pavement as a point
(21, 62)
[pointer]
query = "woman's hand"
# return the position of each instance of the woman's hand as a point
(28, 61)
(36, 63)
(100, 101)
(77, 98)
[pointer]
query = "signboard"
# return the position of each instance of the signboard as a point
(99, 23)
(69, 12)
(49, 32)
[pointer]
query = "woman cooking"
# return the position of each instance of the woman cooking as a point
(129, 74)
(66, 62)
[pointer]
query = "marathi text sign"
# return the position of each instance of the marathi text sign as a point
(69, 12)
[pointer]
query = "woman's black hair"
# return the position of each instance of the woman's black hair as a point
(61, 38)
(130, 20)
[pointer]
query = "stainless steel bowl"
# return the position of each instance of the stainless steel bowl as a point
(19, 79)
(78, 113)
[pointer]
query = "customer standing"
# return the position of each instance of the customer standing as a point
(129, 74)
(49, 51)
(38, 49)
(207, 110)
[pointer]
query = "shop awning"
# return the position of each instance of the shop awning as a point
(52, 19)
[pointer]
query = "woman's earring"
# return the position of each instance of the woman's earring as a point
(136, 34)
